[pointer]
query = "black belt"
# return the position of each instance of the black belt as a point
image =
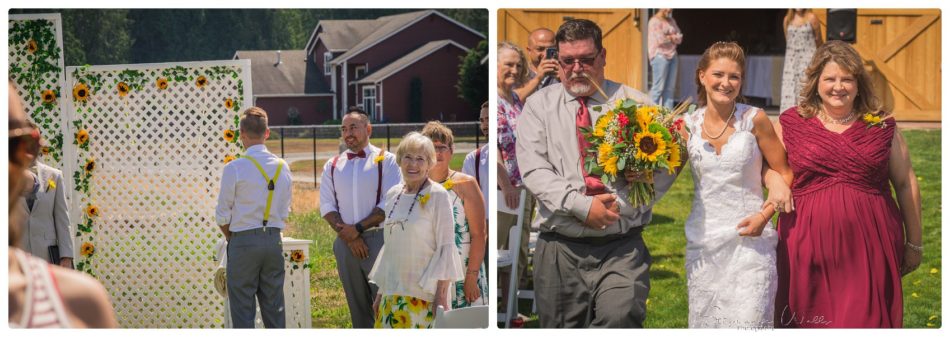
(591, 240)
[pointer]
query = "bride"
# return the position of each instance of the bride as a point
(730, 249)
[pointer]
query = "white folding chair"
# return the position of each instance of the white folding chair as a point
(474, 317)
(509, 257)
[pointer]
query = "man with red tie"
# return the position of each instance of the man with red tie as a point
(591, 267)
(352, 201)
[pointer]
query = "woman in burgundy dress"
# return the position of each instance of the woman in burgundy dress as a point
(843, 251)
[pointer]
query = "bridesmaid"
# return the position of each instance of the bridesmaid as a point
(842, 253)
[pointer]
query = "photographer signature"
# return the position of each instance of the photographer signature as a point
(790, 318)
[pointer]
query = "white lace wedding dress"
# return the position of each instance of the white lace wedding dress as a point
(731, 279)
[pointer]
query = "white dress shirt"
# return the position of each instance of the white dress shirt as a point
(243, 195)
(468, 167)
(356, 182)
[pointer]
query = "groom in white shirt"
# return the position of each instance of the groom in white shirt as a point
(253, 206)
(352, 198)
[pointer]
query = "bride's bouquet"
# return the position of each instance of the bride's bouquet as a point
(637, 137)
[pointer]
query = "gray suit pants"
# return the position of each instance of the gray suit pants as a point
(354, 273)
(592, 283)
(256, 269)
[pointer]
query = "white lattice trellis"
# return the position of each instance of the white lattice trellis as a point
(153, 137)
(35, 61)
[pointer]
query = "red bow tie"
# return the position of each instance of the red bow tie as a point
(351, 155)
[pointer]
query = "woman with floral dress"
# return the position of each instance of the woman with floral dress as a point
(468, 214)
(419, 261)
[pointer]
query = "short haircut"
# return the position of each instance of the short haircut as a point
(578, 30)
(438, 132)
(359, 112)
(254, 122)
(416, 143)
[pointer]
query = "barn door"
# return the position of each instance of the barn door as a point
(621, 28)
(901, 48)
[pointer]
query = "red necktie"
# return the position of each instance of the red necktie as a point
(351, 155)
(594, 185)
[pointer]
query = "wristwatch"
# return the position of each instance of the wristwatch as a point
(359, 228)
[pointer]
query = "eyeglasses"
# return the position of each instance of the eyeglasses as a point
(441, 148)
(568, 62)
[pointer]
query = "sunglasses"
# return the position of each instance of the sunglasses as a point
(25, 136)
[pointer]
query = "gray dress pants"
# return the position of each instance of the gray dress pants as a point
(354, 273)
(601, 283)
(256, 269)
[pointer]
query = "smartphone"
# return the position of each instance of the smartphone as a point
(550, 53)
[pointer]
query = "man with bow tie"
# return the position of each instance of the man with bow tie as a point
(352, 199)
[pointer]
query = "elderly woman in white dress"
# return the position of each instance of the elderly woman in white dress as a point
(419, 261)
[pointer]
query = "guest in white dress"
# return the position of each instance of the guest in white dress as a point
(419, 261)
(730, 249)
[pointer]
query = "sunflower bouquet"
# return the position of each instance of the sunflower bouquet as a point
(637, 137)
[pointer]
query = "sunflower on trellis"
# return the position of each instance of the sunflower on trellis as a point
(122, 88)
(35, 69)
(161, 83)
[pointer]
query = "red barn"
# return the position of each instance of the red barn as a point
(399, 68)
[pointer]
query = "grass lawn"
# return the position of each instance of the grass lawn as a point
(327, 300)
(667, 304)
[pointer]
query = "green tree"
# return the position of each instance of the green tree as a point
(473, 76)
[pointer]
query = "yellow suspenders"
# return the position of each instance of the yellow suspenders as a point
(270, 184)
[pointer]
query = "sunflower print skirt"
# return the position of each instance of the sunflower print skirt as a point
(404, 312)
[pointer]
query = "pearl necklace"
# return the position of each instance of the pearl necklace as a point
(724, 127)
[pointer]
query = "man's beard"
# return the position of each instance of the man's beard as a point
(578, 88)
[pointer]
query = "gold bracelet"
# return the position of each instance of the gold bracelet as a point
(916, 248)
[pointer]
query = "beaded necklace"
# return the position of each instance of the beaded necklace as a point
(402, 223)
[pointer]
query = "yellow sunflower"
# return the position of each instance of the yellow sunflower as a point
(201, 81)
(87, 249)
(49, 96)
(90, 165)
(645, 116)
(123, 89)
(675, 160)
(45, 150)
(600, 129)
(31, 46)
(401, 320)
(448, 184)
(81, 92)
(91, 211)
(610, 166)
(424, 199)
(229, 158)
(229, 103)
(378, 159)
(229, 135)
(162, 83)
(603, 152)
(296, 255)
(82, 136)
(650, 145)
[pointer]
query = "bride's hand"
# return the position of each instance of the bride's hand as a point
(752, 225)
